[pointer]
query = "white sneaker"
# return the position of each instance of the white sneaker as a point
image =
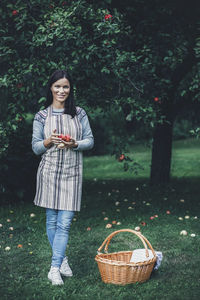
(65, 268)
(54, 276)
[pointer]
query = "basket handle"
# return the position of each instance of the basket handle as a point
(142, 238)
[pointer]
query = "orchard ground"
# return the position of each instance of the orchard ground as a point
(109, 192)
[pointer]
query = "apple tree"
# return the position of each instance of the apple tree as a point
(139, 58)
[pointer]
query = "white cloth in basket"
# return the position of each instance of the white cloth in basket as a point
(139, 255)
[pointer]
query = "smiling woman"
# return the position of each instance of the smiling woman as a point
(59, 176)
(60, 91)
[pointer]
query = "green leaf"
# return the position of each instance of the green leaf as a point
(170, 52)
(129, 117)
(42, 99)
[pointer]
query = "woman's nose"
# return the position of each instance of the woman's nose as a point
(61, 89)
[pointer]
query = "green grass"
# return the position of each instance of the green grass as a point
(185, 162)
(24, 270)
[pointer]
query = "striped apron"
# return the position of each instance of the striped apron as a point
(59, 176)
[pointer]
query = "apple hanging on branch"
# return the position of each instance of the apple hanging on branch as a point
(66, 138)
(128, 163)
(121, 158)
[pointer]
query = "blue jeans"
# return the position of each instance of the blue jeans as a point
(58, 225)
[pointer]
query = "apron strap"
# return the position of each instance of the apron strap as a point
(49, 111)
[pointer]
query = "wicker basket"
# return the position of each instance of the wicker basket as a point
(116, 267)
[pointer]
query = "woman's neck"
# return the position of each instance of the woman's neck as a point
(58, 105)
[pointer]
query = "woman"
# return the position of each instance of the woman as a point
(59, 176)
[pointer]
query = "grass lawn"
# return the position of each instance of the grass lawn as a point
(25, 266)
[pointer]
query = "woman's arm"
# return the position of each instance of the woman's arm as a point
(87, 141)
(38, 138)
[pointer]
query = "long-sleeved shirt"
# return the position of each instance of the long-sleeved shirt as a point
(86, 143)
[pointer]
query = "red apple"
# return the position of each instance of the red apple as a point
(122, 157)
(143, 223)
(61, 136)
(66, 138)
(15, 12)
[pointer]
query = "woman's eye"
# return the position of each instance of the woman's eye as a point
(65, 87)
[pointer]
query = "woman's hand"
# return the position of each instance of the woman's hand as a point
(52, 140)
(71, 144)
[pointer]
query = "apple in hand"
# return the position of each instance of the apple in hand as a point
(66, 138)
(61, 146)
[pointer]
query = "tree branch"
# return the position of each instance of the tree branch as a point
(133, 84)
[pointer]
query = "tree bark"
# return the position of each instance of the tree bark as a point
(161, 154)
(162, 139)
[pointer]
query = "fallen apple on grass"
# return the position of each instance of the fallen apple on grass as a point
(137, 228)
(143, 223)
(183, 232)
(108, 225)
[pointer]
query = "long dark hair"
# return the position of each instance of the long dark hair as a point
(70, 107)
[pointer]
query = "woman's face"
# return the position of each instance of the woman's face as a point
(60, 90)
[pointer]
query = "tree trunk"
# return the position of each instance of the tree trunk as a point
(161, 153)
